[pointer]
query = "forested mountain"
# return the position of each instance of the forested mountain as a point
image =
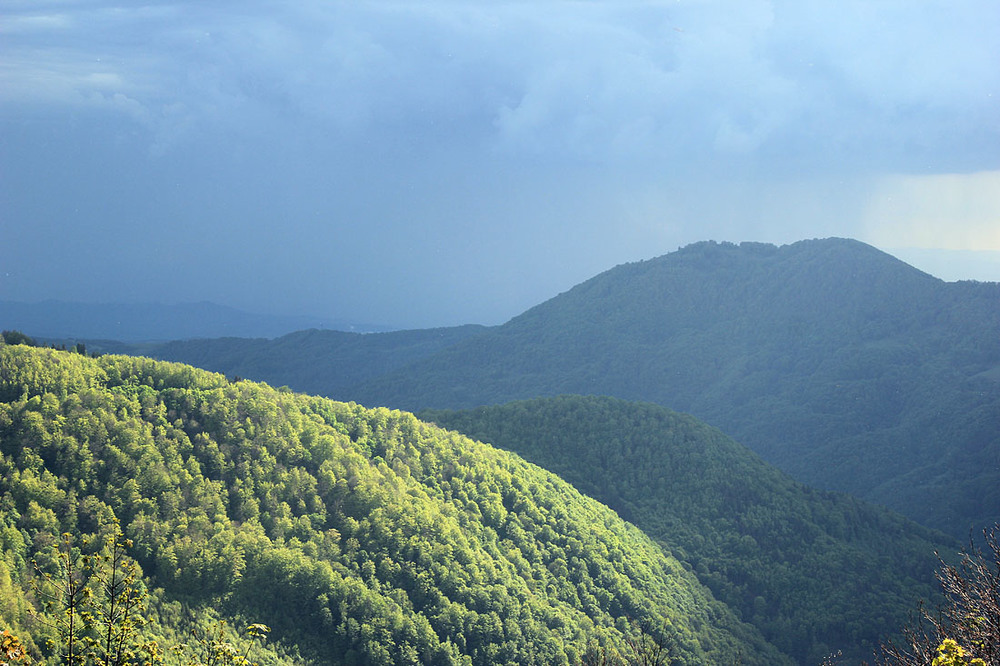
(816, 571)
(362, 536)
(836, 362)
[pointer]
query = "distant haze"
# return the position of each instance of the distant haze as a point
(143, 322)
(420, 164)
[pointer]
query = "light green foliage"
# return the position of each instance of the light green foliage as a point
(642, 648)
(93, 602)
(361, 536)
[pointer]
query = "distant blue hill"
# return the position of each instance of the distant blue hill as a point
(147, 322)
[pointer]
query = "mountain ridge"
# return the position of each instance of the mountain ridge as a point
(839, 363)
(314, 361)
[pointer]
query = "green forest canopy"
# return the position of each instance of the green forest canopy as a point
(816, 572)
(361, 536)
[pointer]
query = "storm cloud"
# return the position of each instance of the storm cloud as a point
(430, 163)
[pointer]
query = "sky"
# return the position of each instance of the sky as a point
(419, 164)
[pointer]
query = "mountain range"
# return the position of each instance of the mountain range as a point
(368, 535)
(834, 361)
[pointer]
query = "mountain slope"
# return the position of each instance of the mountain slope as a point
(361, 536)
(836, 362)
(815, 571)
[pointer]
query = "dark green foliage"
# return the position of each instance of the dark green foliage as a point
(837, 363)
(360, 536)
(815, 571)
(16, 338)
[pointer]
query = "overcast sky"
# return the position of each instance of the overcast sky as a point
(435, 163)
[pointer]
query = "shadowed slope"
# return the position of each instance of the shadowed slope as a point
(836, 362)
(815, 571)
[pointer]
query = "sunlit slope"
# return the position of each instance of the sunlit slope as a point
(361, 536)
(838, 363)
(815, 571)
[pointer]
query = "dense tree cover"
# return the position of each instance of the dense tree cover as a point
(834, 361)
(93, 603)
(816, 571)
(361, 536)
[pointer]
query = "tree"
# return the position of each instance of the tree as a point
(97, 604)
(119, 613)
(643, 647)
(217, 650)
(17, 338)
(63, 592)
(951, 653)
(966, 630)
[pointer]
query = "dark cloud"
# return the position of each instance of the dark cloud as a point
(439, 162)
(591, 80)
